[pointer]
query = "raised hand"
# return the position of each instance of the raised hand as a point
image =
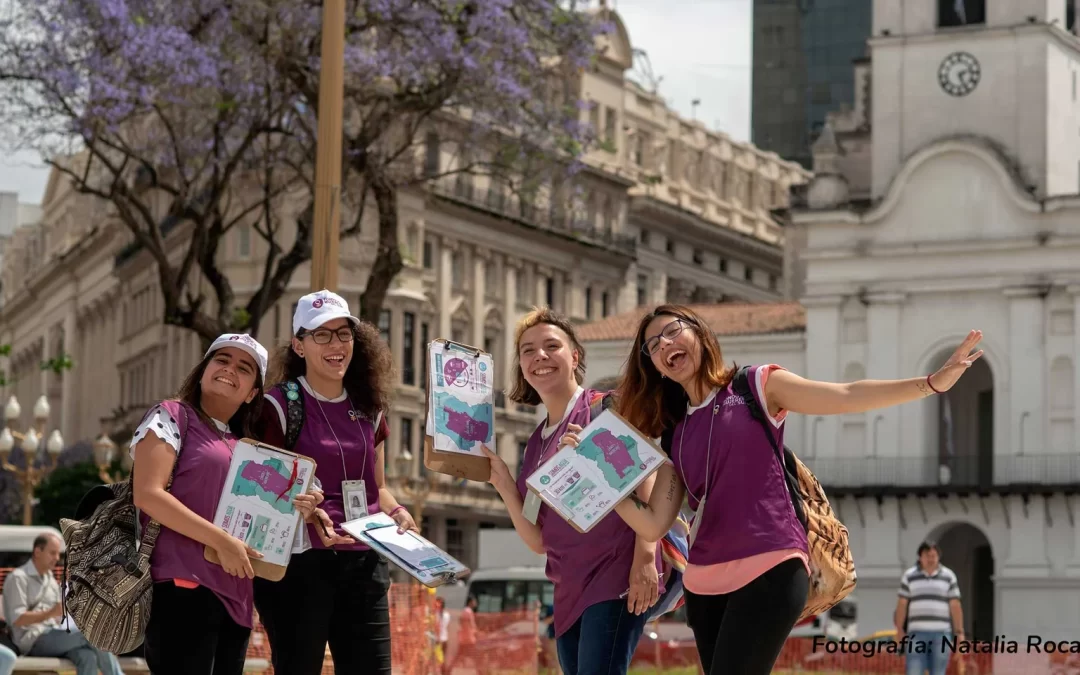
(949, 373)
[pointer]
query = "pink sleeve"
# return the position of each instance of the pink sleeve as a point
(761, 377)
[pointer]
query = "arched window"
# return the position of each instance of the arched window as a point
(953, 13)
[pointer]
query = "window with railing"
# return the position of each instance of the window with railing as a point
(384, 325)
(455, 539)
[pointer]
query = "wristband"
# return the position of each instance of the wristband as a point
(931, 385)
(394, 510)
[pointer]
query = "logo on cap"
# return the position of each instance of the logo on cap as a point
(318, 303)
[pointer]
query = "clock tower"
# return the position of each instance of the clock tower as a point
(1004, 71)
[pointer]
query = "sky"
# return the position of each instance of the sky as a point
(700, 48)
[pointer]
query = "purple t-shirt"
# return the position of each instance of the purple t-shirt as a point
(747, 507)
(327, 423)
(585, 568)
(198, 481)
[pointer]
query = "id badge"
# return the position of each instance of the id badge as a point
(531, 508)
(354, 495)
(697, 522)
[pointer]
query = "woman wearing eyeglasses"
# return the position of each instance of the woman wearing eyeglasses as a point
(333, 385)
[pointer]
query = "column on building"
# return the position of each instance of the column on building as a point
(446, 265)
(560, 301)
(659, 283)
(481, 259)
(883, 338)
(822, 363)
(626, 297)
(540, 278)
(576, 295)
(507, 449)
(510, 318)
(1026, 372)
(1073, 569)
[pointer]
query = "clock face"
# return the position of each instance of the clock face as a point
(959, 73)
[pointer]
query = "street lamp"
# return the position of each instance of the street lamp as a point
(415, 492)
(31, 475)
(104, 454)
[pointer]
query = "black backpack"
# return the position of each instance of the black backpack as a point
(294, 411)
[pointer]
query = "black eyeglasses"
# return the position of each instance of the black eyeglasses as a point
(670, 332)
(324, 336)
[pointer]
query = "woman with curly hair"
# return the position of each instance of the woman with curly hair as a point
(332, 390)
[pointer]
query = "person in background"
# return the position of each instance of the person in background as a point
(201, 612)
(928, 610)
(605, 581)
(442, 627)
(467, 640)
(34, 612)
(747, 575)
(340, 370)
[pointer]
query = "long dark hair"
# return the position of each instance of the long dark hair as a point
(369, 379)
(244, 423)
(653, 403)
(523, 392)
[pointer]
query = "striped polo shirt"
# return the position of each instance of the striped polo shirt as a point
(928, 598)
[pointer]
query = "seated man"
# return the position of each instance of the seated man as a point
(34, 613)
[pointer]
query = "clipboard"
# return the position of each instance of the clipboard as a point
(379, 531)
(455, 464)
(575, 489)
(252, 509)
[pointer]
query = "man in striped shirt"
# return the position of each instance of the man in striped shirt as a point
(927, 611)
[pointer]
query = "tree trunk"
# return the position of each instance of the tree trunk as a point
(388, 262)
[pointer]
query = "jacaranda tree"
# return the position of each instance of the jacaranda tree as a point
(202, 114)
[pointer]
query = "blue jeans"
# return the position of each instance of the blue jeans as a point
(926, 652)
(602, 641)
(88, 660)
(7, 660)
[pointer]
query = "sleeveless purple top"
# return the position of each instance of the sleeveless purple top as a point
(198, 481)
(586, 569)
(747, 507)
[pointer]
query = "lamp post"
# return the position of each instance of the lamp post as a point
(104, 454)
(31, 475)
(415, 492)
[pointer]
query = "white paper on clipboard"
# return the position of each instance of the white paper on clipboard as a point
(425, 561)
(256, 502)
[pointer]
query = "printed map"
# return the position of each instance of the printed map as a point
(466, 425)
(267, 480)
(617, 457)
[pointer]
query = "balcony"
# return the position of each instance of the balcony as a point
(999, 473)
(462, 189)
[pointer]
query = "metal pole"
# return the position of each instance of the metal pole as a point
(327, 223)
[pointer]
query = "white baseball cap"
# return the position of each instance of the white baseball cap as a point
(315, 309)
(245, 343)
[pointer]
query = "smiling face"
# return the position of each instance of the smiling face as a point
(547, 359)
(231, 374)
(326, 362)
(674, 348)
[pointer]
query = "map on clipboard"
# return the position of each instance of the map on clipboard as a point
(424, 561)
(256, 503)
(584, 484)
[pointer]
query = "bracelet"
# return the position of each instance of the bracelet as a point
(932, 386)
(394, 510)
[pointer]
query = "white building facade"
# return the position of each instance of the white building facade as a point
(968, 217)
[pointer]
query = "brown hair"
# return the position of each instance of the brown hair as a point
(523, 392)
(369, 379)
(653, 403)
(246, 419)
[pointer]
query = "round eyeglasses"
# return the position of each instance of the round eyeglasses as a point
(323, 336)
(669, 333)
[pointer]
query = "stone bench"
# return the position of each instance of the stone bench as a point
(43, 665)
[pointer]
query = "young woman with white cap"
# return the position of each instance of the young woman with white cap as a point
(201, 615)
(334, 382)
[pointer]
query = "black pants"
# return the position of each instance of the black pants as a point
(191, 633)
(338, 597)
(742, 633)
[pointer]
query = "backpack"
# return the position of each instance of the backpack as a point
(294, 412)
(674, 546)
(832, 566)
(107, 586)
